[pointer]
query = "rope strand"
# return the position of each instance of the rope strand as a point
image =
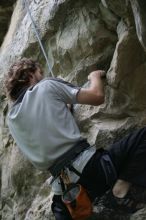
(38, 37)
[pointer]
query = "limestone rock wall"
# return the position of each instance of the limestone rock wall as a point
(6, 9)
(79, 37)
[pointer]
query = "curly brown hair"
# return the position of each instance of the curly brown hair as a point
(18, 75)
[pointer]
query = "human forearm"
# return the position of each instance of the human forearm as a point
(94, 94)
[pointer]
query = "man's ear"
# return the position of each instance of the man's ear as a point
(31, 75)
(31, 78)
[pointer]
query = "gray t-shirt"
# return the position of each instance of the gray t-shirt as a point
(41, 124)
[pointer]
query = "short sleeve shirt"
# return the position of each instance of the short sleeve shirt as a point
(42, 125)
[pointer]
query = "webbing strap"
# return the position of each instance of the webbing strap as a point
(71, 168)
(109, 169)
(66, 159)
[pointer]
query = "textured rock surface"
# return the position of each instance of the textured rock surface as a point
(6, 9)
(79, 36)
(139, 8)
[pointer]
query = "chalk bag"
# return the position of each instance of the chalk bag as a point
(76, 199)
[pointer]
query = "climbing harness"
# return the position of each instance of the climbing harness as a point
(75, 197)
(67, 158)
(38, 36)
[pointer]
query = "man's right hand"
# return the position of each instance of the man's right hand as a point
(94, 95)
(97, 73)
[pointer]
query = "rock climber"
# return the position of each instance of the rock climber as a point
(46, 132)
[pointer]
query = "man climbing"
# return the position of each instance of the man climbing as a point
(46, 132)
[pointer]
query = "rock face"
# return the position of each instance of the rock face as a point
(6, 9)
(79, 37)
(139, 8)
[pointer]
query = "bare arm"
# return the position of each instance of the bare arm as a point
(94, 95)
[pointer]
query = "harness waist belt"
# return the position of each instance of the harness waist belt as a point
(68, 157)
